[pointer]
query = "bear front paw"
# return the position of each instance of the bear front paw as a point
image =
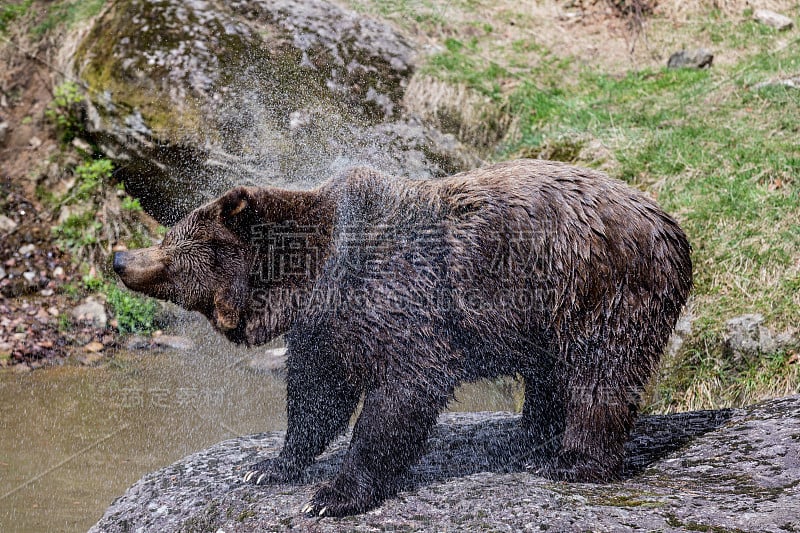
(332, 500)
(277, 470)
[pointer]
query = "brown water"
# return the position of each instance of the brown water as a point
(74, 438)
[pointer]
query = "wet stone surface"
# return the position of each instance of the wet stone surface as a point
(703, 471)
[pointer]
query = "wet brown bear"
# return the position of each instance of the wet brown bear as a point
(401, 289)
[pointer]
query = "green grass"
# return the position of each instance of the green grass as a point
(11, 11)
(720, 155)
(67, 13)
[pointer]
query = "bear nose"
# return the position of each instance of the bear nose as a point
(119, 262)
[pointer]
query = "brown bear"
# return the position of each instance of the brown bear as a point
(399, 290)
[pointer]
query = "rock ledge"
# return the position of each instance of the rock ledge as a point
(735, 469)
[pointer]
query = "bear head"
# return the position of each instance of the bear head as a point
(213, 261)
(203, 263)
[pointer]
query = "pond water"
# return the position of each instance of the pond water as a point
(74, 438)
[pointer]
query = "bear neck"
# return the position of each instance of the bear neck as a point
(306, 220)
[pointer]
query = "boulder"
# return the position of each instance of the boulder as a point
(699, 58)
(746, 337)
(91, 311)
(773, 19)
(269, 361)
(731, 469)
(189, 98)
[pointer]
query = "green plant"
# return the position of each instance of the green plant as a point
(130, 204)
(67, 13)
(133, 313)
(77, 231)
(90, 177)
(64, 322)
(64, 111)
(9, 12)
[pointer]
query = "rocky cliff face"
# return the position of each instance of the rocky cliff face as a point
(191, 97)
(729, 470)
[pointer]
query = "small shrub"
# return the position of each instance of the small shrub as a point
(77, 231)
(91, 176)
(131, 204)
(65, 110)
(134, 313)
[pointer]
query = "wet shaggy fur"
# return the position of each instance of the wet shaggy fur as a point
(407, 288)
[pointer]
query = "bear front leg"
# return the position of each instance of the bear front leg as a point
(388, 438)
(319, 403)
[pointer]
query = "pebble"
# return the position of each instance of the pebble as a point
(173, 341)
(94, 347)
(27, 249)
(91, 311)
(6, 224)
(53, 310)
(29, 276)
(90, 358)
(47, 292)
(58, 272)
(82, 145)
(137, 342)
(2, 272)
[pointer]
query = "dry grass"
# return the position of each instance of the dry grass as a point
(455, 108)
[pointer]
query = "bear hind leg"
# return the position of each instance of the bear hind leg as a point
(597, 423)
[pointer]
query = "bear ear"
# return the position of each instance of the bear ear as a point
(234, 203)
(235, 210)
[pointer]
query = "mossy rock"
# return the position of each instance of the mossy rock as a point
(191, 98)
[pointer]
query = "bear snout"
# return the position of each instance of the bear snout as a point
(120, 258)
(141, 270)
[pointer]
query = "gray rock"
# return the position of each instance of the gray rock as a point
(746, 337)
(190, 98)
(704, 470)
(137, 342)
(27, 249)
(773, 19)
(271, 360)
(683, 328)
(7, 225)
(3, 131)
(173, 342)
(790, 83)
(91, 311)
(699, 58)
